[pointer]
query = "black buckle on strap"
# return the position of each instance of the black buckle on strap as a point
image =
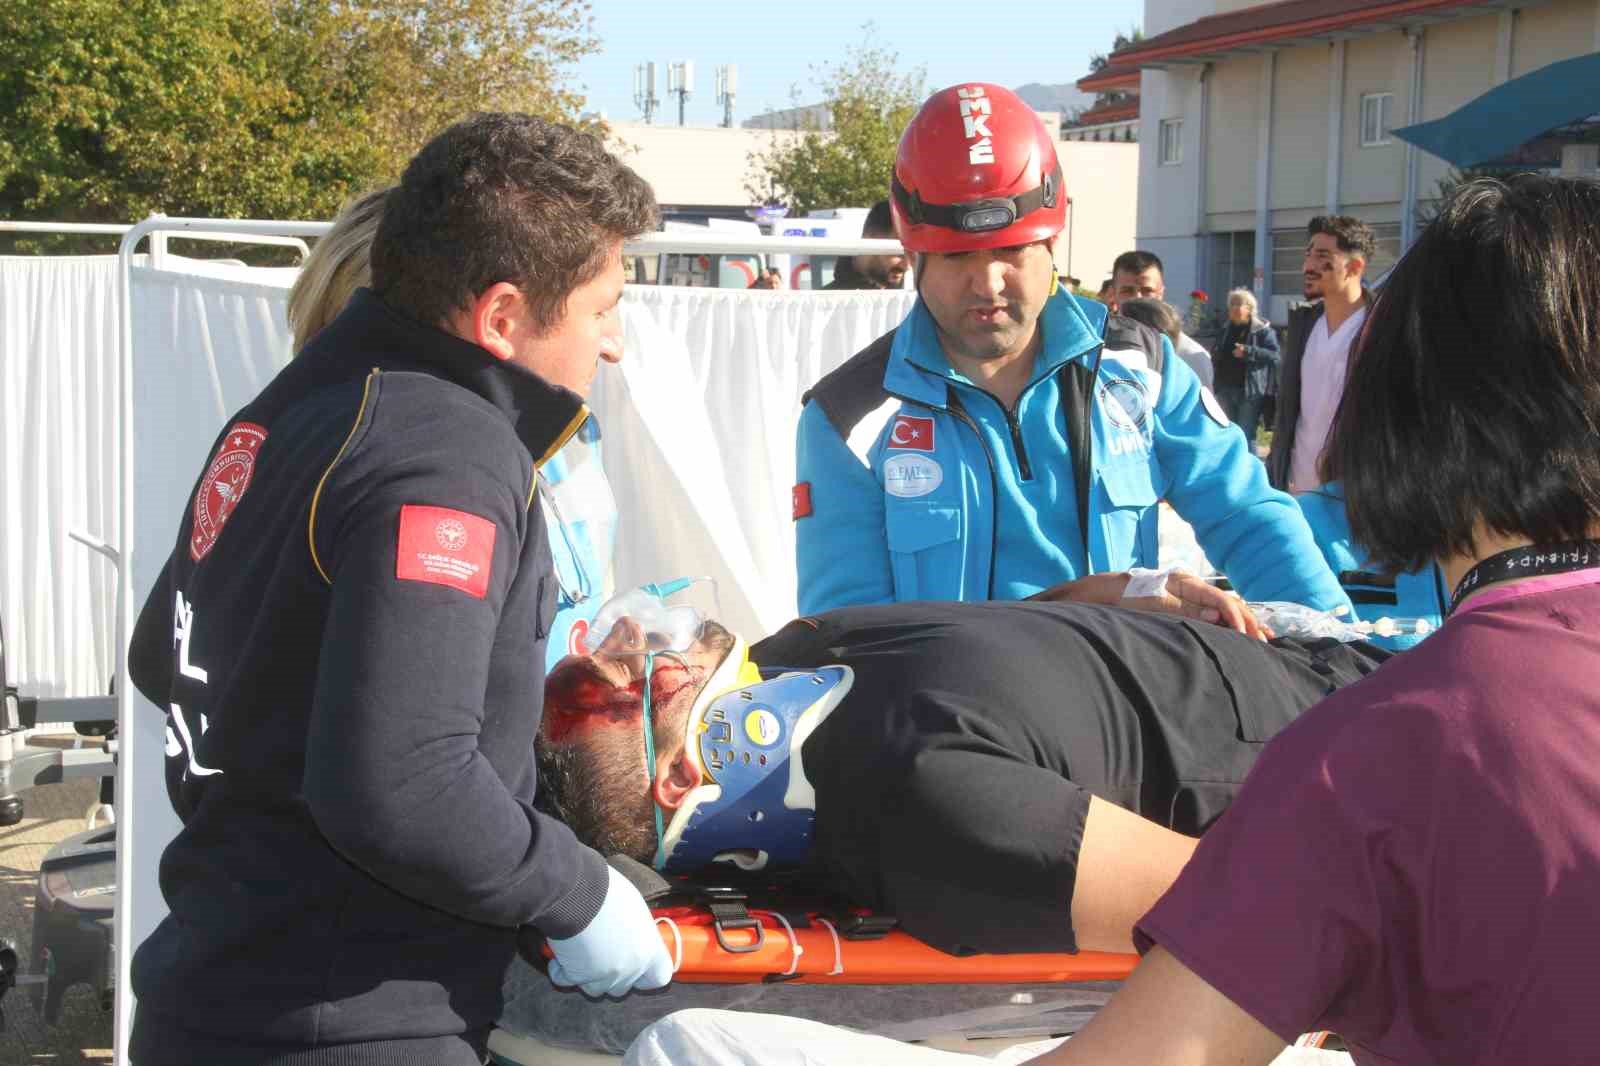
(728, 912)
(853, 926)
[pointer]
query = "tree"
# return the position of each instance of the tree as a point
(111, 109)
(870, 103)
(425, 65)
(1099, 62)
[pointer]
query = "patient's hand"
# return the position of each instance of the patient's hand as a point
(1185, 595)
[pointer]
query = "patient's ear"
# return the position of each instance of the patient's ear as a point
(676, 780)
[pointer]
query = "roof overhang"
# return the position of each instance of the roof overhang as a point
(1117, 76)
(1293, 23)
(1122, 112)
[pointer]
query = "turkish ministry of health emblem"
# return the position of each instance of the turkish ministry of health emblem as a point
(451, 534)
(226, 479)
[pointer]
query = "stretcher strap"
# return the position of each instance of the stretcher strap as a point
(677, 942)
(794, 943)
(838, 951)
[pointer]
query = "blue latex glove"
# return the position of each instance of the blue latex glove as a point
(618, 951)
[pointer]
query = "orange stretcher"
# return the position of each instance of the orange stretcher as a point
(768, 946)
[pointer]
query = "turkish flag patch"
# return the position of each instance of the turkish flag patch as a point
(445, 547)
(912, 433)
(222, 487)
(800, 500)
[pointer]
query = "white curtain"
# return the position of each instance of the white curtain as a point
(59, 378)
(699, 422)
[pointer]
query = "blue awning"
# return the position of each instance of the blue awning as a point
(1513, 113)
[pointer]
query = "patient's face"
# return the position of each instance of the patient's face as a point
(605, 689)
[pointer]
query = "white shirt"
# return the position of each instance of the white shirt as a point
(1194, 353)
(1321, 385)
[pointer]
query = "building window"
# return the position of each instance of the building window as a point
(1232, 263)
(1377, 111)
(1171, 144)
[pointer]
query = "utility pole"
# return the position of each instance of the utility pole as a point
(727, 88)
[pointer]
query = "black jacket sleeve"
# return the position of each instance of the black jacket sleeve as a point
(396, 775)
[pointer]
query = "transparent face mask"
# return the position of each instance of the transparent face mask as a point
(664, 629)
(664, 626)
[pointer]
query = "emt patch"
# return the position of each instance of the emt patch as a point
(227, 476)
(800, 501)
(445, 547)
(913, 433)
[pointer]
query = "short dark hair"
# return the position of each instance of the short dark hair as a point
(1475, 390)
(1137, 263)
(1157, 314)
(1353, 236)
(598, 790)
(879, 222)
(504, 197)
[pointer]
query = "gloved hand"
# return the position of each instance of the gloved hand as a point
(618, 951)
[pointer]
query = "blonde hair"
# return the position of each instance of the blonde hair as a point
(340, 264)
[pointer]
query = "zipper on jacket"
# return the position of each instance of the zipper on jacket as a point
(1016, 442)
(953, 404)
(1024, 468)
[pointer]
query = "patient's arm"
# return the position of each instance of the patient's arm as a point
(1125, 864)
(1185, 595)
(1165, 1014)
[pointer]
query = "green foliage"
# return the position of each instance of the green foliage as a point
(1098, 62)
(870, 103)
(111, 109)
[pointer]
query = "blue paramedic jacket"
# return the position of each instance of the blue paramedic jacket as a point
(1374, 592)
(915, 484)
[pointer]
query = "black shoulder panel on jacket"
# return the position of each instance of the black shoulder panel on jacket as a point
(1124, 333)
(848, 392)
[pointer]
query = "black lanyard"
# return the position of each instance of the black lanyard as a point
(1532, 560)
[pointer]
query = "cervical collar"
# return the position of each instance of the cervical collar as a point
(755, 806)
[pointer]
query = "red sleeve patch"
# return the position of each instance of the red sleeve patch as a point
(445, 547)
(800, 500)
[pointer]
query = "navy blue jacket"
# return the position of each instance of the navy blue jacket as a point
(1261, 359)
(349, 638)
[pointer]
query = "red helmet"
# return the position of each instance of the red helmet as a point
(976, 169)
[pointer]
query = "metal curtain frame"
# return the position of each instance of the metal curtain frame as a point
(257, 231)
(157, 228)
(111, 228)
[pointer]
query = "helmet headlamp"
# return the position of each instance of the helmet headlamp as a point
(978, 216)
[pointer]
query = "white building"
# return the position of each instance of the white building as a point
(704, 171)
(696, 171)
(1255, 117)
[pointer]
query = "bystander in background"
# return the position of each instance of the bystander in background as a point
(872, 271)
(1243, 361)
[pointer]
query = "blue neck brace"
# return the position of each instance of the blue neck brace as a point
(755, 806)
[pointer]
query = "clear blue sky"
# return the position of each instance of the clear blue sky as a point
(775, 46)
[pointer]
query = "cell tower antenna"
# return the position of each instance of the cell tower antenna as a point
(727, 89)
(680, 81)
(644, 90)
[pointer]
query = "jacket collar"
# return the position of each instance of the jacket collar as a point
(369, 333)
(920, 371)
